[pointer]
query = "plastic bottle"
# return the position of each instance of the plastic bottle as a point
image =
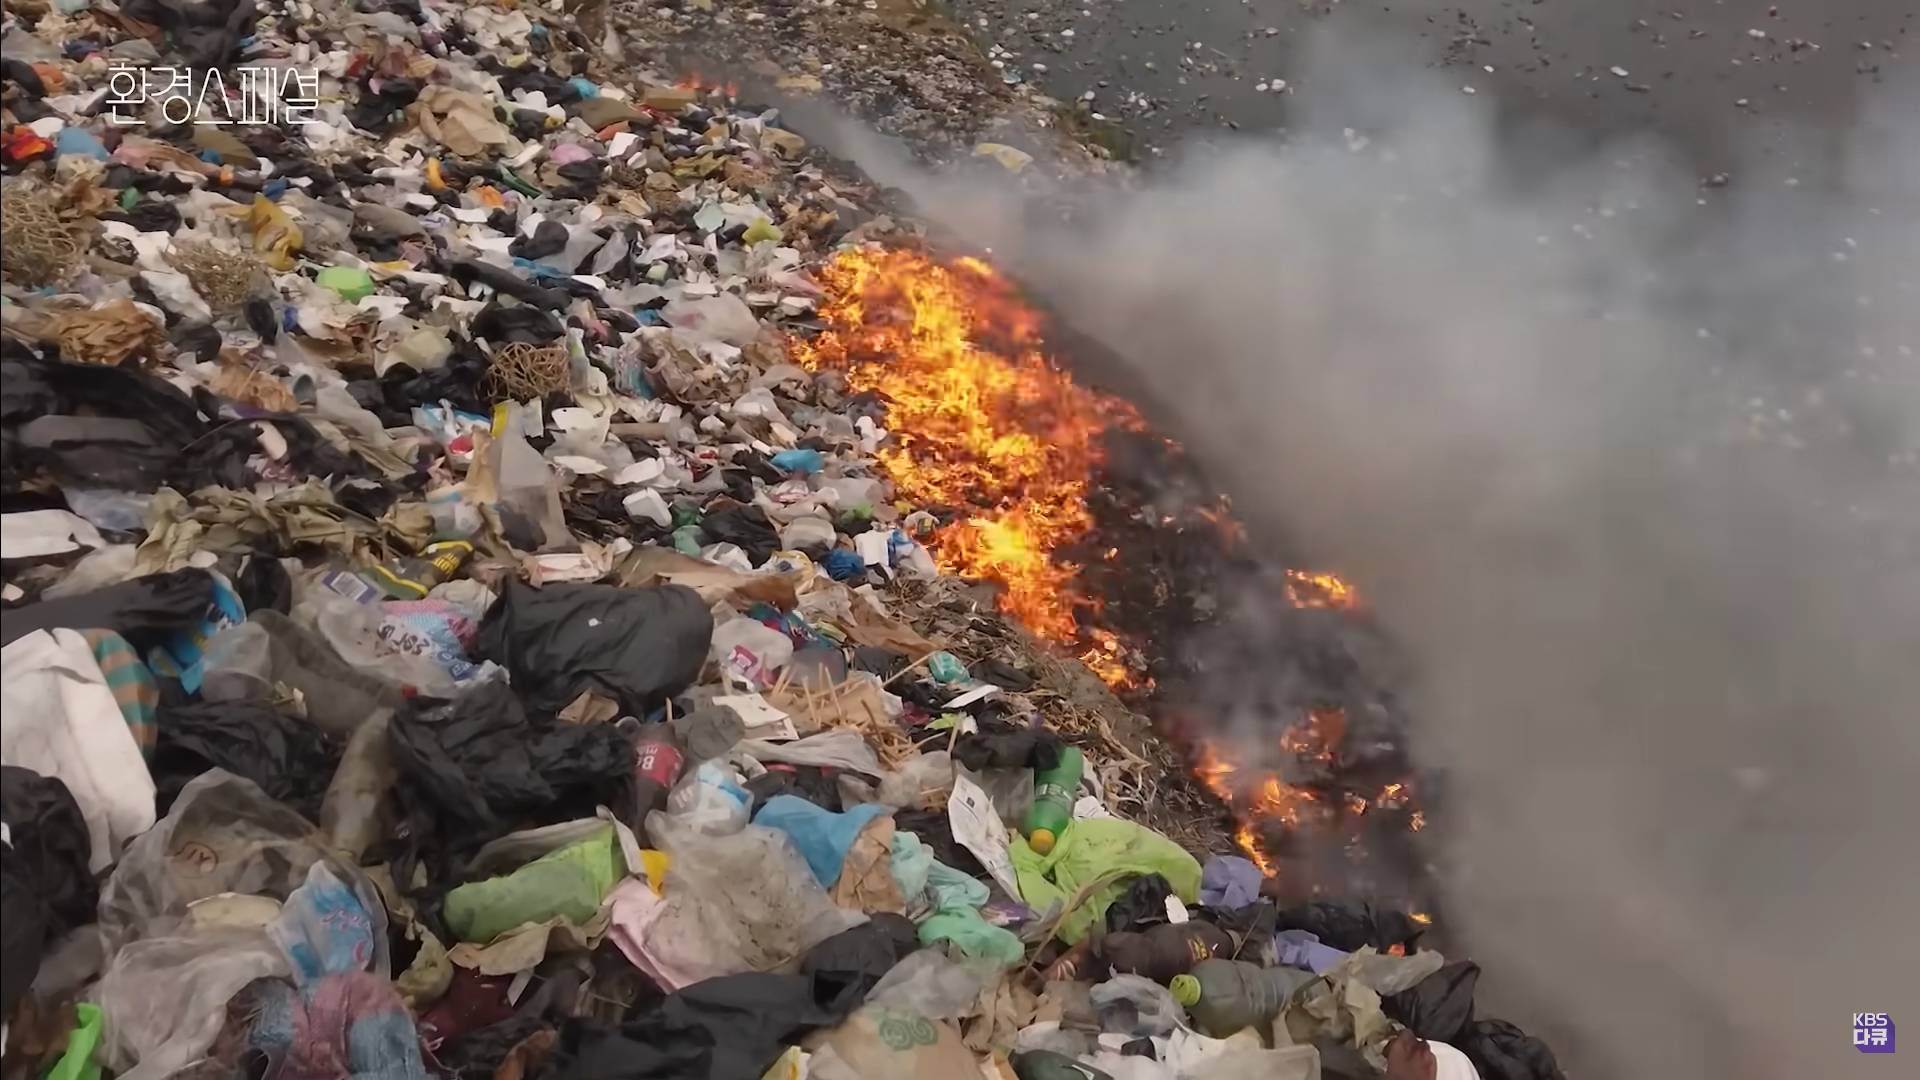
(410, 577)
(529, 502)
(1048, 1065)
(1080, 963)
(1224, 996)
(1053, 792)
(657, 764)
(1166, 950)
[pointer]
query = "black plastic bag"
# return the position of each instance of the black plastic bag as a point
(879, 660)
(817, 785)
(23, 932)
(1008, 748)
(46, 889)
(935, 830)
(1142, 907)
(849, 964)
(523, 323)
(263, 584)
(475, 1055)
(1501, 1051)
(548, 238)
(45, 881)
(287, 756)
(1003, 675)
(146, 611)
(206, 34)
(476, 763)
(48, 835)
(746, 526)
(1438, 1006)
(92, 425)
(729, 1028)
(1348, 925)
(637, 646)
(467, 271)
(200, 340)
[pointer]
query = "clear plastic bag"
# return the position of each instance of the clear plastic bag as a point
(324, 928)
(354, 631)
(223, 835)
(1386, 975)
(840, 748)
(708, 800)
(1134, 1005)
(744, 901)
(353, 814)
(921, 782)
(165, 998)
(527, 490)
(932, 984)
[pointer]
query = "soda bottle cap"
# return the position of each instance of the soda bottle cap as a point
(1041, 841)
(1186, 990)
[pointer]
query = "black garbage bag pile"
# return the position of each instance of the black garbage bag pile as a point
(449, 632)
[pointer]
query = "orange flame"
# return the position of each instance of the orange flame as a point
(1314, 589)
(982, 421)
(1217, 774)
(1316, 737)
(696, 81)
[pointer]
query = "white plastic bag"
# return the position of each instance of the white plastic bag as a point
(744, 901)
(223, 834)
(707, 800)
(750, 653)
(165, 999)
(1134, 1005)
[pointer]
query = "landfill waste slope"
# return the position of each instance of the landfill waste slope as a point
(447, 633)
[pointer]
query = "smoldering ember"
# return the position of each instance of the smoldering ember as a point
(733, 539)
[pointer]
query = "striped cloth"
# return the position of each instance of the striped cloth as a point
(132, 685)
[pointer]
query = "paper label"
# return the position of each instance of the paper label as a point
(978, 828)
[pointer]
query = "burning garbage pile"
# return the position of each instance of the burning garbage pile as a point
(1006, 449)
(490, 574)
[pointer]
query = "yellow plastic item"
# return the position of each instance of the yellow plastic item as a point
(791, 1066)
(275, 236)
(655, 863)
(761, 229)
(434, 179)
(1041, 841)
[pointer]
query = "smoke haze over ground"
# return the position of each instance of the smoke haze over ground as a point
(1634, 481)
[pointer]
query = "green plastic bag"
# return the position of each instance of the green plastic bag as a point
(77, 1063)
(1090, 848)
(570, 882)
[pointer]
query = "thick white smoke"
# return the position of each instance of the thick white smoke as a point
(1634, 481)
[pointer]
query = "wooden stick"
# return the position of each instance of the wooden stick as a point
(898, 675)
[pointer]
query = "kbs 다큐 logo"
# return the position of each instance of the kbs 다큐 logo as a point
(1873, 1033)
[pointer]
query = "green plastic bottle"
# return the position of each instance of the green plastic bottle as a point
(1053, 792)
(1225, 996)
(1048, 1065)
